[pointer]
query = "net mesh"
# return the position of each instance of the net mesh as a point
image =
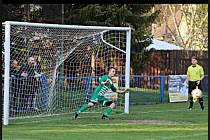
(55, 70)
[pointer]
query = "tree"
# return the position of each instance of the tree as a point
(21, 12)
(196, 17)
(187, 24)
(12, 12)
(138, 16)
(51, 13)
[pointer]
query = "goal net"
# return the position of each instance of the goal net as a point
(53, 69)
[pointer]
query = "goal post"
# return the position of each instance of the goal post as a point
(6, 73)
(35, 85)
(127, 69)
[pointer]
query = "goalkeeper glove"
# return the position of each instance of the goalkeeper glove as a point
(195, 99)
(122, 91)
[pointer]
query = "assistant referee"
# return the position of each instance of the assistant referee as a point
(195, 74)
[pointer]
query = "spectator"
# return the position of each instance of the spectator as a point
(15, 84)
(30, 71)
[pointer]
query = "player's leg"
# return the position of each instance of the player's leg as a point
(110, 105)
(92, 102)
(200, 100)
(191, 87)
(85, 107)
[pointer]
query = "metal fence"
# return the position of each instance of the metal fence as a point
(171, 62)
(144, 89)
(154, 89)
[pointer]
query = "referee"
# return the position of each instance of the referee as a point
(195, 74)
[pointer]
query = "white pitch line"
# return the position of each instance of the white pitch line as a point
(185, 136)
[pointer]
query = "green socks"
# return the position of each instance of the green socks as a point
(83, 108)
(107, 111)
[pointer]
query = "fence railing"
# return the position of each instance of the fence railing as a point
(154, 89)
(144, 89)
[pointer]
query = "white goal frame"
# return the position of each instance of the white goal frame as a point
(7, 57)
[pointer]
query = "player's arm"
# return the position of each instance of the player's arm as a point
(202, 75)
(122, 91)
(114, 89)
(103, 80)
(188, 75)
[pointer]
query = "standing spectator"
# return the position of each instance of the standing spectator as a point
(42, 80)
(30, 71)
(15, 84)
(195, 74)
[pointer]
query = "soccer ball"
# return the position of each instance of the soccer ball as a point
(196, 93)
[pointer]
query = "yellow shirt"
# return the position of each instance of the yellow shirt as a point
(195, 73)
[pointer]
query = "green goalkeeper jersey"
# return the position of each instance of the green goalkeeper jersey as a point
(102, 89)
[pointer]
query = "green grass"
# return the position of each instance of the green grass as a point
(168, 121)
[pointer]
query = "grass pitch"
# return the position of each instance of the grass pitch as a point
(168, 121)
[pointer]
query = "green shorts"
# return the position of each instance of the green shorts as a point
(100, 100)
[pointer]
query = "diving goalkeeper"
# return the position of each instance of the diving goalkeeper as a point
(105, 83)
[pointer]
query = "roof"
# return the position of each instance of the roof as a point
(162, 45)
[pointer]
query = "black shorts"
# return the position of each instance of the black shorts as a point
(107, 103)
(192, 86)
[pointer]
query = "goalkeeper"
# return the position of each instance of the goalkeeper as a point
(105, 83)
(195, 74)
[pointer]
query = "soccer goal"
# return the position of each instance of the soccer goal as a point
(52, 69)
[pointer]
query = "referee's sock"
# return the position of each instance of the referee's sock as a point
(191, 102)
(201, 103)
